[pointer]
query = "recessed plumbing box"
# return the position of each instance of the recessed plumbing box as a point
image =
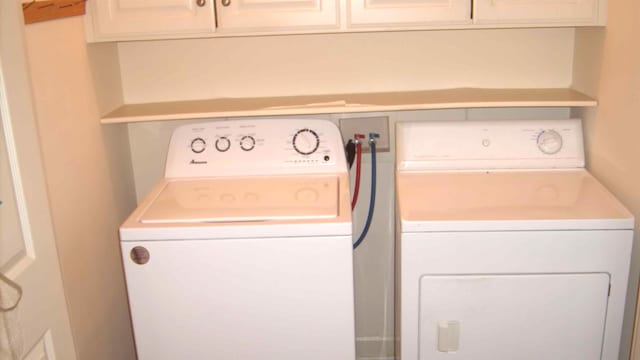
(366, 125)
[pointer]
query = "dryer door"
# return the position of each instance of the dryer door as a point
(513, 316)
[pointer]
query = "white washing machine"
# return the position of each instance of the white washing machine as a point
(244, 249)
(507, 248)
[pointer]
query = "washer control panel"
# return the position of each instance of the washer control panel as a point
(498, 144)
(258, 147)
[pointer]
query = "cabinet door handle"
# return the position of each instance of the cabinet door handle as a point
(10, 283)
(201, 3)
(226, 2)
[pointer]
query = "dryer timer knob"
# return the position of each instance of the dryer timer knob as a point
(549, 142)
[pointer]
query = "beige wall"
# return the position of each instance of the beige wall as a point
(607, 65)
(345, 63)
(88, 173)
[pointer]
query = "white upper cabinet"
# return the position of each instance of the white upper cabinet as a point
(536, 12)
(143, 19)
(408, 13)
(112, 20)
(277, 15)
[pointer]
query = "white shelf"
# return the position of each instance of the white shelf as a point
(348, 103)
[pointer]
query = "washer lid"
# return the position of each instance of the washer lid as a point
(244, 199)
(507, 200)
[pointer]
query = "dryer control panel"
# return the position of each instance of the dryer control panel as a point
(255, 147)
(499, 144)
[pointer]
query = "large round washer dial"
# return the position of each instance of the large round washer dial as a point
(549, 142)
(306, 141)
(223, 144)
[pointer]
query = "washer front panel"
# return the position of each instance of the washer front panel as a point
(249, 299)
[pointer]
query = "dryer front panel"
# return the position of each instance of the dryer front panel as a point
(511, 294)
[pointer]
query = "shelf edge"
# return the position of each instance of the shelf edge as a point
(569, 98)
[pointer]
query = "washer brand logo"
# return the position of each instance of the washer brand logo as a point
(194, 162)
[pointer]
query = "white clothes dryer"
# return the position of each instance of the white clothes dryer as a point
(507, 248)
(244, 249)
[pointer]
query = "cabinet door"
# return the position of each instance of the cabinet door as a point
(141, 19)
(403, 13)
(562, 12)
(276, 15)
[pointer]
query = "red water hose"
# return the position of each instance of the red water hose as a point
(356, 188)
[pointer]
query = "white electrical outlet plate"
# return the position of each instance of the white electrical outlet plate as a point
(366, 125)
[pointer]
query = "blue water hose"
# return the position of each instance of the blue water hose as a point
(372, 201)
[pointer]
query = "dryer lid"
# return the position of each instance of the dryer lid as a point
(244, 199)
(507, 200)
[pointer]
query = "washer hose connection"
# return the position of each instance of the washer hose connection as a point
(372, 201)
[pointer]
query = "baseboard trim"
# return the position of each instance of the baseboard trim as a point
(375, 348)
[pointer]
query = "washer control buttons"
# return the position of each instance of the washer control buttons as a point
(247, 143)
(549, 142)
(198, 145)
(306, 141)
(223, 144)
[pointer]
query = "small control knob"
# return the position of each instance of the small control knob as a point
(247, 143)
(549, 142)
(198, 145)
(306, 141)
(223, 144)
